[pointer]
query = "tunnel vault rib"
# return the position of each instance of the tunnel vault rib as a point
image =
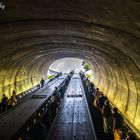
(106, 34)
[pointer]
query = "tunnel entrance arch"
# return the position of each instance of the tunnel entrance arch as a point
(65, 65)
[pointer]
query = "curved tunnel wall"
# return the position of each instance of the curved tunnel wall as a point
(106, 34)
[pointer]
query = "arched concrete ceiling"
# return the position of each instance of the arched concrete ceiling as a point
(33, 34)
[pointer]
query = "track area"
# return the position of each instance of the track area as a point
(73, 121)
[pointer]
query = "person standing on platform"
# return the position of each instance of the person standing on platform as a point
(57, 96)
(11, 103)
(4, 103)
(88, 84)
(15, 99)
(101, 101)
(117, 124)
(107, 117)
(42, 82)
(56, 91)
(38, 131)
(96, 98)
(92, 90)
(62, 91)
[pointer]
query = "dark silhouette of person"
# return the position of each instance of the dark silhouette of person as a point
(4, 103)
(107, 117)
(102, 100)
(117, 123)
(38, 131)
(92, 90)
(42, 82)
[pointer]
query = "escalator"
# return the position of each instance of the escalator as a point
(96, 117)
(73, 121)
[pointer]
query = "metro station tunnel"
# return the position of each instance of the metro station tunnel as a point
(34, 34)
